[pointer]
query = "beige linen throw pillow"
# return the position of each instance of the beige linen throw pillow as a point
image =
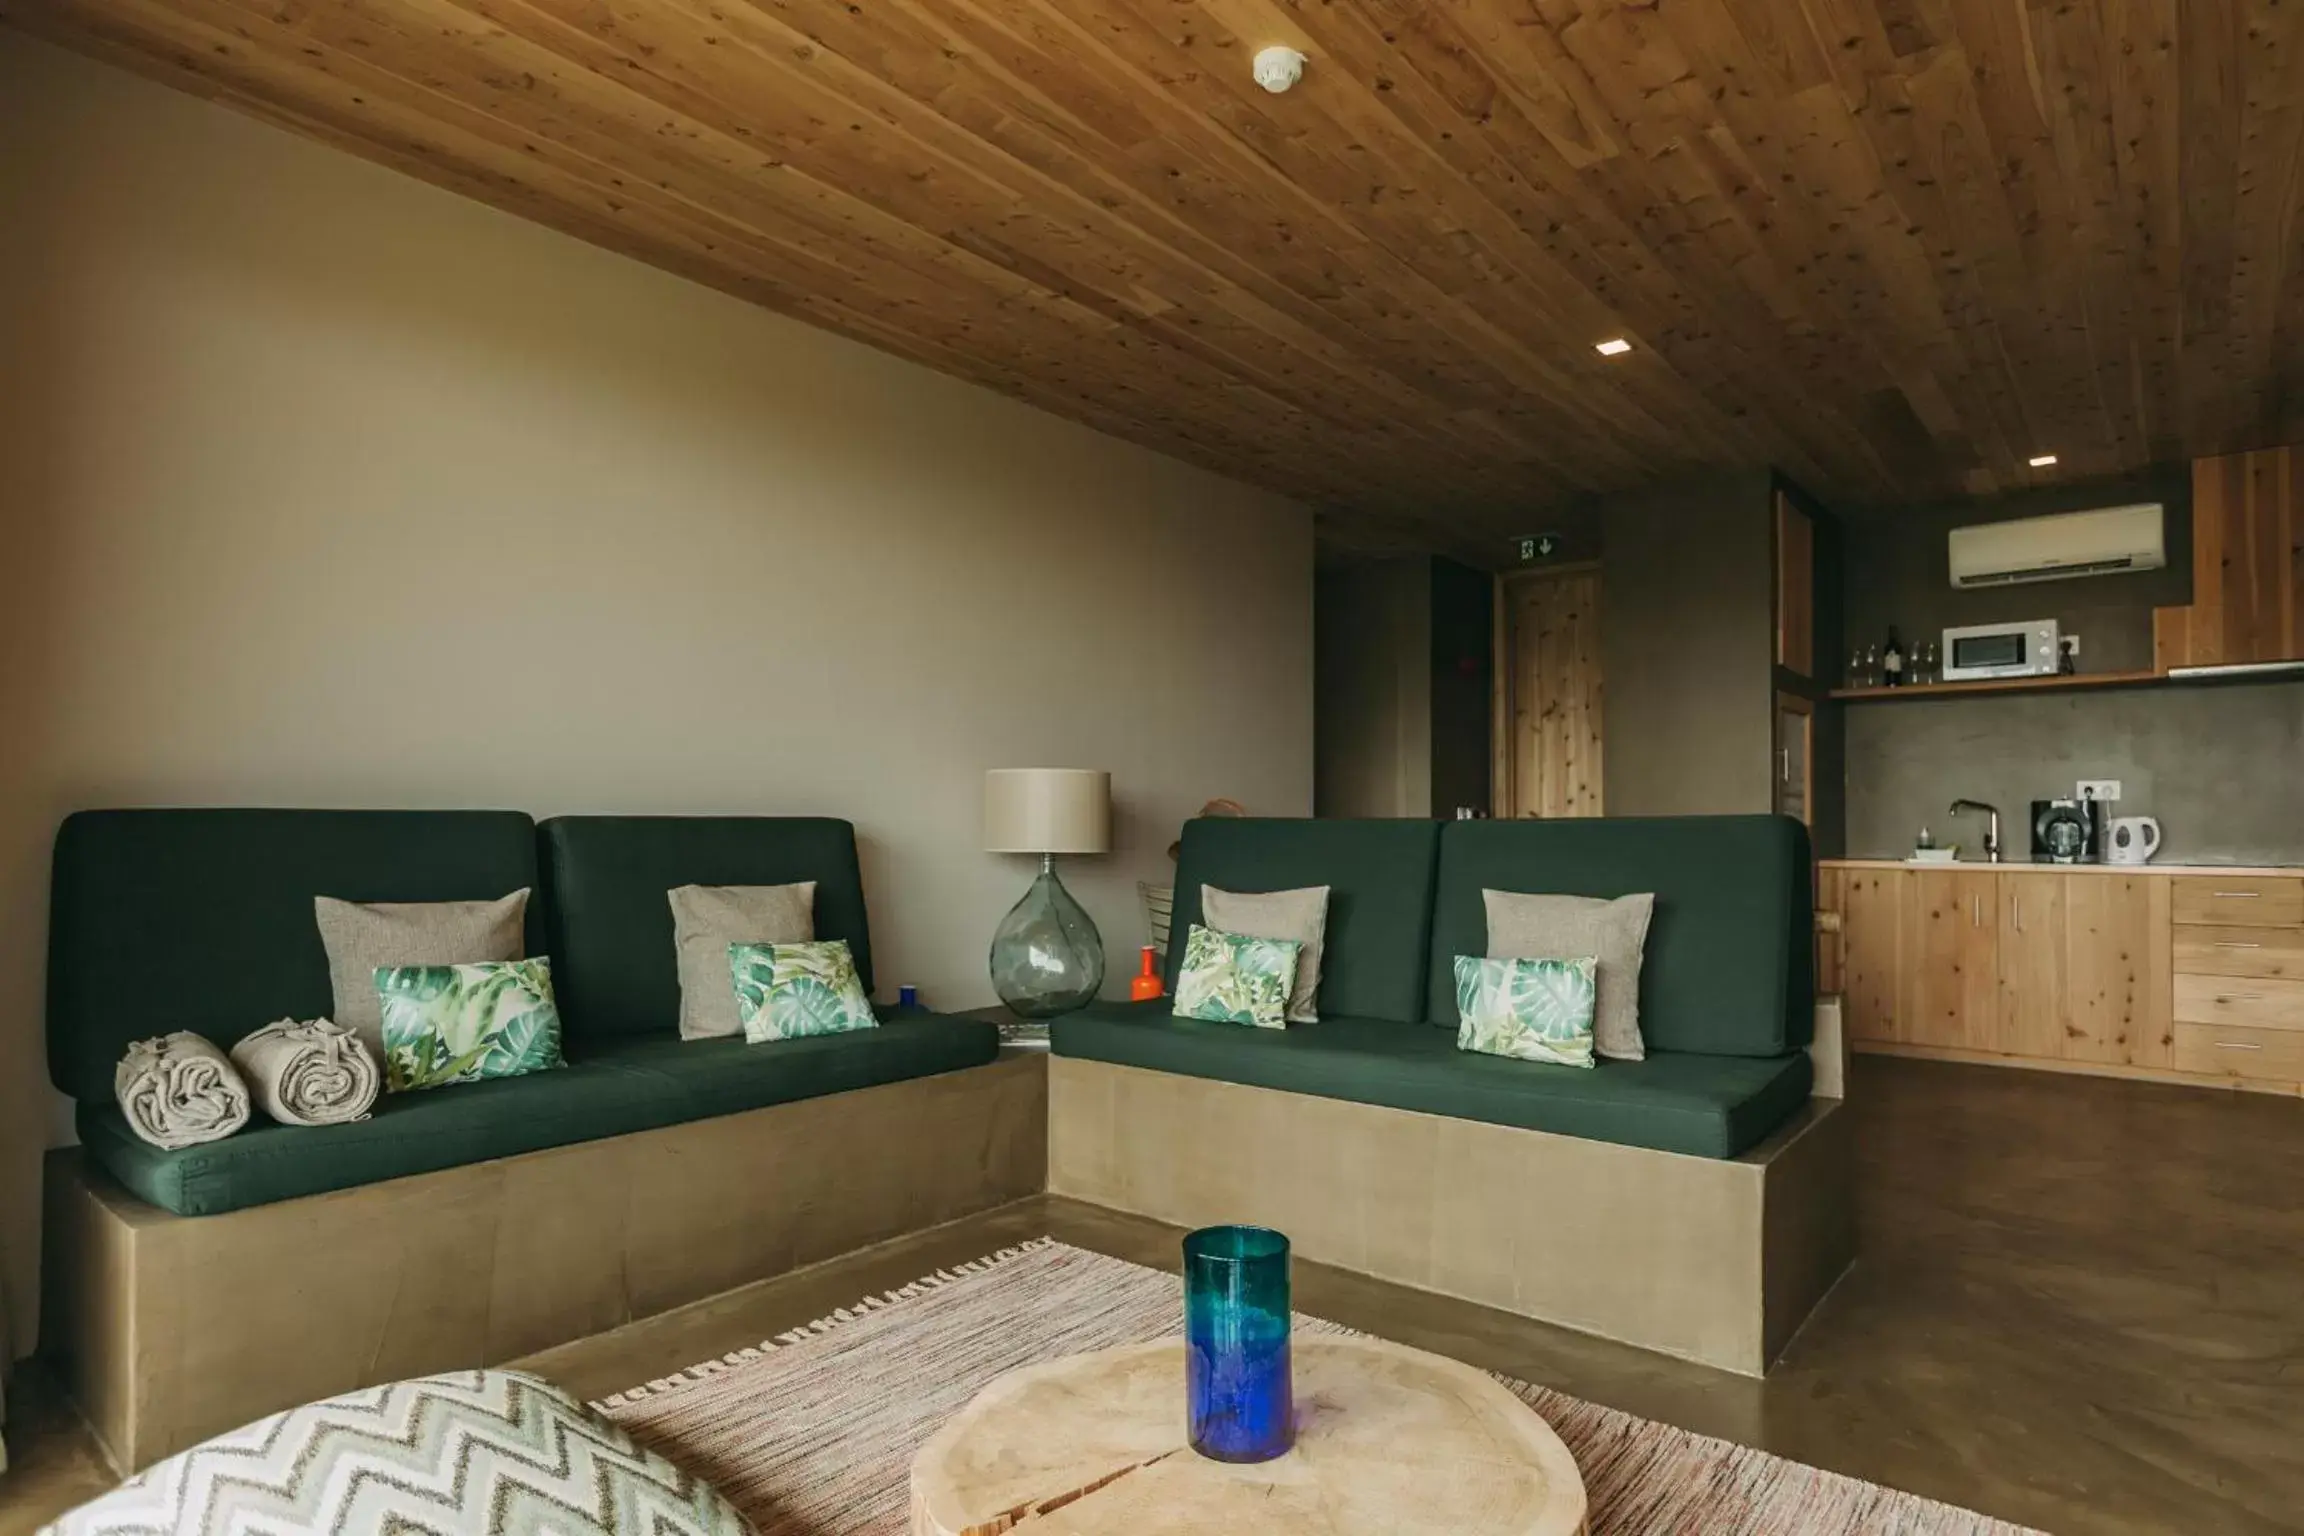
(706, 919)
(1528, 927)
(362, 937)
(1300, 915)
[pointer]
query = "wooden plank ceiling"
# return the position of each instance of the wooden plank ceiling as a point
(1895, 247)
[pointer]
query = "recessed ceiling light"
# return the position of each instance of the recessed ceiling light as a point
(2041, 460)
(1614, 346)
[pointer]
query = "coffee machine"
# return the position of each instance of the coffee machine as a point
(2067, 831)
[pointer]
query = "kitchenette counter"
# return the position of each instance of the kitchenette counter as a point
(2032, 866)
(2184, 973)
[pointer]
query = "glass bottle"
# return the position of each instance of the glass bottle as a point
(1892, 661)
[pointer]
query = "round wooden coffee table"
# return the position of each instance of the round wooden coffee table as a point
(1387, 1439)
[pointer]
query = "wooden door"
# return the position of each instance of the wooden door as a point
(1871, 937)
(1795, 588)
(2118, 937)
(1951, 959)
(2035, 975)
(1549, 694)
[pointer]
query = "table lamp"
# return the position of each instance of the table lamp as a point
(1047, 957)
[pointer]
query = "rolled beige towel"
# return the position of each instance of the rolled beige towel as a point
(179, 1091)
(314, 1073)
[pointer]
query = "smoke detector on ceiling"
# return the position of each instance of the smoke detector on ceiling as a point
(1278, 68)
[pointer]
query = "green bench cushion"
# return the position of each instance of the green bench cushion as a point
(1379, 879)
(1729, 968)
(614, 967)
(609, 1090)
(1704, 1106)
(202, 919)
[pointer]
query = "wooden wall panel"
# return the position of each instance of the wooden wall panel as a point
(1894, 249)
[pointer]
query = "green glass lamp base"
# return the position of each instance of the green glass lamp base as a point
(1047, 957)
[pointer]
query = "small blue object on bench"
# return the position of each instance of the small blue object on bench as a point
(203, 920)
(1726, 984)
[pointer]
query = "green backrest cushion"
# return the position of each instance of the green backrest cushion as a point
(614, 966)
(202, 919)
(1379, 875)
(1729, 968)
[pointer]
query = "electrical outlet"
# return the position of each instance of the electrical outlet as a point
(2099, 789)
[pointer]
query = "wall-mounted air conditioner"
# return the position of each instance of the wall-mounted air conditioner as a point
(2052, 548)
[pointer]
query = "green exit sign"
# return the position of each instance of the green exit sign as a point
(1537, 546)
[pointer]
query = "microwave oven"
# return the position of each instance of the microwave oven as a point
(1975, 651)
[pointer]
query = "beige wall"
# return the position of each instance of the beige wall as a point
(322, 487)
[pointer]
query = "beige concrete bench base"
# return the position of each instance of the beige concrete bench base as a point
(174, 1328)
(1709, 1260)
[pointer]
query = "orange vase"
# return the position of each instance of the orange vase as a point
(1145, 984)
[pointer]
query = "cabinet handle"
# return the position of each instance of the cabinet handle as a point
(2236, 1045)
(2236, 895)
(2235, 944)
(2240, 997)
(2016, 910)
(1975, 911)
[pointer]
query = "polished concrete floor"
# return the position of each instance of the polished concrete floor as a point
(2080, 1307)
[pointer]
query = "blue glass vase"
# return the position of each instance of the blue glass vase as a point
(1047, 957)
(1240, 1403)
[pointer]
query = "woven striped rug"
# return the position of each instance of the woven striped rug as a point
(812, 1433)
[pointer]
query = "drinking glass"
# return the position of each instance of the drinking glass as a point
(1239, 1398)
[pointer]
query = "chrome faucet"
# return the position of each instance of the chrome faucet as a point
(1992, 828)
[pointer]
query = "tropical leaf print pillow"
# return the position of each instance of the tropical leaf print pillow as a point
(1230, 978)
(787, 991)
(461, 1023)
(1535, 1010)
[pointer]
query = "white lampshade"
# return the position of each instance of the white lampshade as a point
(1047, 810)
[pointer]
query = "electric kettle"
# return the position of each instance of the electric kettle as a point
(2131, 840)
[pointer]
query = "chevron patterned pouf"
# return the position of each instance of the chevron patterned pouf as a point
(471, 1453)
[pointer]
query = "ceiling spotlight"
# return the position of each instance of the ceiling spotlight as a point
(1614, 346)
(2041, 460)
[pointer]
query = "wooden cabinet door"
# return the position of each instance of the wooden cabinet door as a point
(1871, 934)
(2119, 943)
(2035, 991)
(1951, 959)
(2247, 563)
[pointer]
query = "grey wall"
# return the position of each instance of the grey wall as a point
(1897, 573)
(1401, 678)
(1372, 689)
(320, 486)
(1463, 672)
(2221, 766)
(1687, 648)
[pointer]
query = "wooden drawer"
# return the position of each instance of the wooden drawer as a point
(2273, 952)
(2248, 1000)
(2260, 1055)
(2239, 901)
